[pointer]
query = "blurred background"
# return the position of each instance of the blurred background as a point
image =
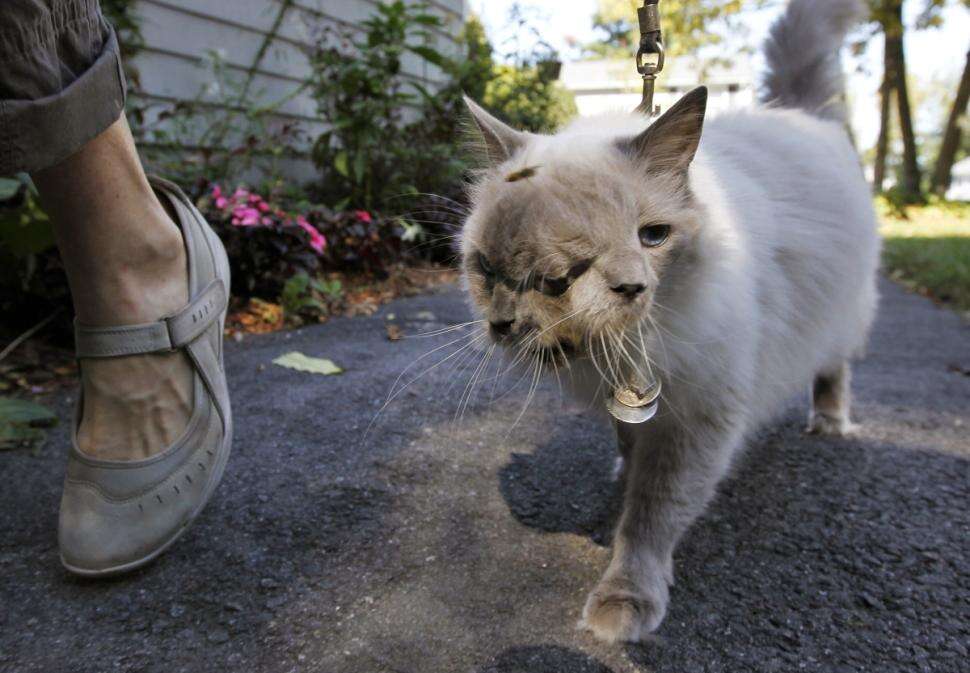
(322, 138)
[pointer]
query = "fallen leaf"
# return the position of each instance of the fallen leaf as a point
(304, 363)
(394, 332)
(22, 422)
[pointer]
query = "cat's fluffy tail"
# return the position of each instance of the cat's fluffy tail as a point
(802, 52)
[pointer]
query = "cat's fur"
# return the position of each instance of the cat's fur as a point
(765, 284)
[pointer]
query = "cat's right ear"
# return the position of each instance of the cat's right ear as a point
(501, 140)
(670, 142)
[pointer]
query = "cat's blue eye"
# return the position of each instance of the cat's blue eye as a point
(654, 235)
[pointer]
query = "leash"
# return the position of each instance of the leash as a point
(637, 402)
(650, 55)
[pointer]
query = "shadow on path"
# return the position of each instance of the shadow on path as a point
(566, 485)
(817, 554)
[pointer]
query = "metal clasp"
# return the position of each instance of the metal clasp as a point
(650, 55)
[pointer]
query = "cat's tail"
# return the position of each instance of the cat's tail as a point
(802, 53)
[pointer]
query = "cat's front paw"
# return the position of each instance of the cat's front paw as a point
(832, 426)
(619, 611)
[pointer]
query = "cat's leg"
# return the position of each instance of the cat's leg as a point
(624, 442)
(670, 477)
(831, 402)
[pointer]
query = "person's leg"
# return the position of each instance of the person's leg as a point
(125, 262)
(62, 95)
(150, 285)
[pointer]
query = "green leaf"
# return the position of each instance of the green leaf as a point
(425, 94)
(26, 230)
(22, 422)
(24, 411)
(360, 167)
(341, 165)
(305, 363)
(428, 19)
(428, 54)
(9, 188)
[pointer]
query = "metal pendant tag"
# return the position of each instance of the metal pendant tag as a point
(634, 405)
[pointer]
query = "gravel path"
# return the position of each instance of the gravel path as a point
(436, 545)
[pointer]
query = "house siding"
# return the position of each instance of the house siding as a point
(178, 35)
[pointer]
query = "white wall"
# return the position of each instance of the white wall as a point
(179, 33)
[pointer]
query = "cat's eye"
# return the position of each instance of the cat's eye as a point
(485, 265)
(552, 287)
(654, 235)
(556, 287)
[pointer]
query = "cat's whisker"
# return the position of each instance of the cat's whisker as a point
(395, 394)
(457, 366)
(644, 350)
(615, 380)
(445, 330)
(593, 359)
(457, 204)
(537, 371)
(466, 395)
(641, 364)
(422, 357)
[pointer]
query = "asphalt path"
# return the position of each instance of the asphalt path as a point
(442, 539)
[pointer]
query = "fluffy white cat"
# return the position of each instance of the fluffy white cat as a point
(735, 259)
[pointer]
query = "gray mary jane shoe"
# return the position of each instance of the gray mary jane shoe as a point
(117, 516)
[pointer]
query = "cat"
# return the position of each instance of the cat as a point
(736, 260)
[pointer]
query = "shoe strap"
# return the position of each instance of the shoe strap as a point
(168, 334)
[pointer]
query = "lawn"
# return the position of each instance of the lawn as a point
(929, 250)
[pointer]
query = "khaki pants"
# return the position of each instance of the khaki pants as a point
(61, 82)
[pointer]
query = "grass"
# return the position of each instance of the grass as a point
(927, 248)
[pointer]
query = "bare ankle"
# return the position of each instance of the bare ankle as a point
(140, 279)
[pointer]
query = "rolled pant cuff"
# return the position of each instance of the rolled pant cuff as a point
(36, 134)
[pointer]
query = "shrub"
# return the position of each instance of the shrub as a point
(270, 239)
(528, 98)
(32, 280)
(362, 94)
(389, 138)
(266, 242)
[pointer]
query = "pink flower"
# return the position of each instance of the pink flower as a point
(221, 202)
(363, 216)
(267, 221)
(263, 207)
(216, 191)
(247, 216)
(317, 240)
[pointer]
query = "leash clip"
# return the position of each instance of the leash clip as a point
(650, 55)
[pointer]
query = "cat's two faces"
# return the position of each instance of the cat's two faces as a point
(571, 236)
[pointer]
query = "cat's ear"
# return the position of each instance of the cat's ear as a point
(501, 140)
(669, 144)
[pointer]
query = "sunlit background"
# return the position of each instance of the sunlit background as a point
(935, 55)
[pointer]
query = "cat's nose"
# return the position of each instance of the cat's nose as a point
(629, 290)
(502, 328)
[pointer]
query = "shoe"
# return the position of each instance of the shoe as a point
(117, 516)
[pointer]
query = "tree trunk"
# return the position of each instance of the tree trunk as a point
(882, 143)
(894, 42)
(951, 136)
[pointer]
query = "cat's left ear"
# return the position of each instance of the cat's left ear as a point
(501, 140)
(669, 144)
